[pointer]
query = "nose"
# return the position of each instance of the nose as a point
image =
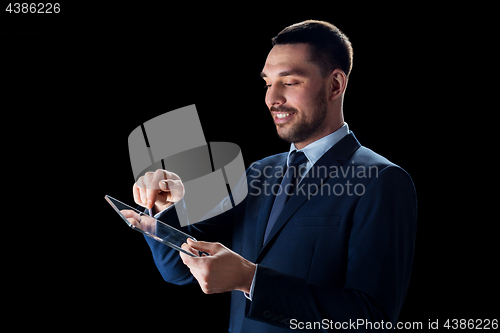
(274, 96)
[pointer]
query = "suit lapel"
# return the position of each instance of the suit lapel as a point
(336, 156)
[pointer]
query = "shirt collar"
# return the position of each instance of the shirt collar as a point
(315, 150)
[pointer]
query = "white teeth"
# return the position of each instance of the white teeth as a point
(282, 115)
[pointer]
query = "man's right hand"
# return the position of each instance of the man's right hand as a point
(159, 189)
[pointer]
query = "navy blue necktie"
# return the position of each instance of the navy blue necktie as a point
(286, 189)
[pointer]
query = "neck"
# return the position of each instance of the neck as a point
(314, 137)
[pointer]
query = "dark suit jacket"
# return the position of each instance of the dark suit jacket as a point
(341, 250)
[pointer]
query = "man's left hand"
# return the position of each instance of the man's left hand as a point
(223, 270)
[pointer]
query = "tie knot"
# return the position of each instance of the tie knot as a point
(297, 158)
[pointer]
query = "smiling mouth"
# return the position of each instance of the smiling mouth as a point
(282, 117)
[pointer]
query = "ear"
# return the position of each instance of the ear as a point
(338, 83)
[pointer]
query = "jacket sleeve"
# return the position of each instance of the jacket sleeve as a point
(380, 257)
(168, 261)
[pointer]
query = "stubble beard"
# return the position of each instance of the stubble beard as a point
(302, 129)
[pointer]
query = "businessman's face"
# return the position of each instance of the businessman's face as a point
(296, 93)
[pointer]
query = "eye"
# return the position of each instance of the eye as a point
(289, 84)
(267, 86)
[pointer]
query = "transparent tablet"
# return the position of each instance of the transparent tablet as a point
(150, 226)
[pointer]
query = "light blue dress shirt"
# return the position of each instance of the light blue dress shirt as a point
(315, 150)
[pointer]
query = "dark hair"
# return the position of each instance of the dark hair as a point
(330, 48)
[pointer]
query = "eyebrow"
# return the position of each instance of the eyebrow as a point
(286, 73)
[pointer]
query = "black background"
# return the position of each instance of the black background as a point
(80, 81)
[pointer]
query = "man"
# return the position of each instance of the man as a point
(329, 247)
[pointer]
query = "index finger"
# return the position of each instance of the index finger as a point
(153, 187)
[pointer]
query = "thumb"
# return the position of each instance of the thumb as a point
(211, 248)
(175, 187)
(167, 185)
